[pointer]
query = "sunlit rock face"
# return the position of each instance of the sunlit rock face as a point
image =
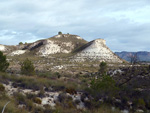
(51, 47)
(17, 52)
(2, 48)
(96, 50)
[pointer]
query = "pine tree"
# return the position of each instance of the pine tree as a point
(103, 68)
(3, 62)
(27, 67)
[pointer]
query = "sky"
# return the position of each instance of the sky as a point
(124, 24)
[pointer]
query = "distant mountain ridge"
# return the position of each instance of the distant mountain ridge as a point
(142, 55)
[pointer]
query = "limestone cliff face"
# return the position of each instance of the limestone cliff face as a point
(52, 47)
(96, 50)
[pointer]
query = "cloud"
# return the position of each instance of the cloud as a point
(123, 24)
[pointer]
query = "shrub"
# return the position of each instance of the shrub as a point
(3, 62)
(71, 91)
(20, 98)
(103, 68)
(57, 74)
(27, 67)
(141, 103)
(41, 93)
(20, 43)
(30, 96)
(37, 100)
(2, 88)
(65, 101)
(104, 87)
(59, 33)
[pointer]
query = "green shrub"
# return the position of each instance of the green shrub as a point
(141, 103)
(20, 98)
(27, 67)
(20, 43)
(104, 87)
(41, 93)
(65, 101)
(37, 100)
(59, 33)
(2, 88)
(3, 62)
(103, 68)
(57, 74)
(30, 96)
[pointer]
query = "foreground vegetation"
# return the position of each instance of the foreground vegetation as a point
(109, 90)
(127, 90)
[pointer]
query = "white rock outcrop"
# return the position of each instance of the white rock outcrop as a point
(2, 48)
(51, 47)
(17, 52)
(97, 50)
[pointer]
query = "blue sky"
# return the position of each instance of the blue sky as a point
(124, 24)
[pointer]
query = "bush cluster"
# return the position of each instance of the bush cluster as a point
(3, 62)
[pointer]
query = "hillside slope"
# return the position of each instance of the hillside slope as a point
(96, 50)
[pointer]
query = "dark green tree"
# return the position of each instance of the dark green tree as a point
(27, 67)
(20, 43)
(3, 62)
(105, 86)
(103, 68)
(59, 33)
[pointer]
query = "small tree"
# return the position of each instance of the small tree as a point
(103, 68)
(20, 43)
(27, 67)
(59, 33)
(133, 58)
(105, 86)
(3, 62)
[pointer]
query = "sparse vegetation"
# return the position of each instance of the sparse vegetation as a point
(3, 62)
(100, 88)
(102, 92)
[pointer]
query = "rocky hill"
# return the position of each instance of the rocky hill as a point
(75, 48)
